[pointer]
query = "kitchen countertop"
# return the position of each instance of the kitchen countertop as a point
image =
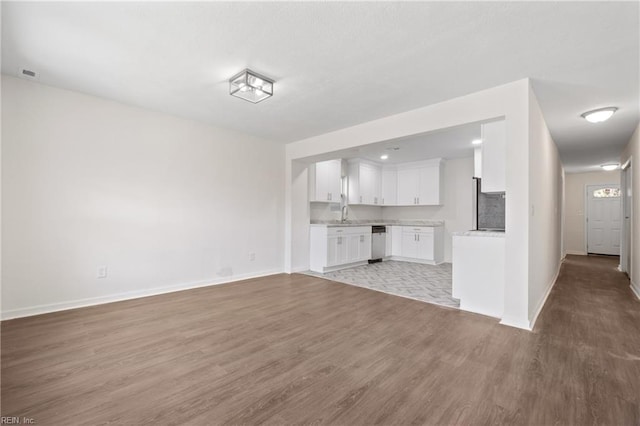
(479, 234)
(335, 223)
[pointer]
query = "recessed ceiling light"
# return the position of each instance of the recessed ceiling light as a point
(599, 115)
(609, 167)
(476, 141)
(384, 156)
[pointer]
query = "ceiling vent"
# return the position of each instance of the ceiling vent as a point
(27, 73)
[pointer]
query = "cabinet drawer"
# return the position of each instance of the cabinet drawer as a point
(348, 230)
(418, 229)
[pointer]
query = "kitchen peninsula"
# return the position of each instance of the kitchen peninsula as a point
(478, 271)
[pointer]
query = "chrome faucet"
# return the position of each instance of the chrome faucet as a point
(344, 210)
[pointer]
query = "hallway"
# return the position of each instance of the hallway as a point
(586, 360)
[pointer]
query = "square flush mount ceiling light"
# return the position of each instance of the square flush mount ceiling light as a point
(251, 86)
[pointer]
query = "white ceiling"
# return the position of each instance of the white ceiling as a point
(449, 143)
(337, 64)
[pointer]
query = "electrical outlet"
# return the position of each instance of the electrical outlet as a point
(101, 272)
(252, 256)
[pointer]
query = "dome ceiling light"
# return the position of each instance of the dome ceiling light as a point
(599, 115)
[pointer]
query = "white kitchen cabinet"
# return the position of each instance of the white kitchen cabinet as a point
(365, 181)
(420, 183)
(388, 241)
(494, 157)
(333, 248)
(325, 181)
(408, 186)
(424, 244)
(396, 241)
(389, 186)
(477, 162)
(409, 244)
(359, 246)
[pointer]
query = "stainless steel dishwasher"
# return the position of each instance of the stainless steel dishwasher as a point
(378, 243)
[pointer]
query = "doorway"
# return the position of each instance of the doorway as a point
(604, 217)
(626, 190)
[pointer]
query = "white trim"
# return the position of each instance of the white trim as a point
(543, 301)
(576, 252)
(512, 322)
(298, 270)
(635, 289)
(92, 301)
(528, 325)
(414, 260)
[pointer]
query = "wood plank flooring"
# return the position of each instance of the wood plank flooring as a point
(302, 350)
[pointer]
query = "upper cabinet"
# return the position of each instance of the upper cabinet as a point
(494, 157)
(365, 182)
(389, 186)
(325, 181)
(420, 183)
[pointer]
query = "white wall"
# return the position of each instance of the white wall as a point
(456, 212)
(632, 151)
(575, 184)
(166, 203)
(509, 101)
(545, 226)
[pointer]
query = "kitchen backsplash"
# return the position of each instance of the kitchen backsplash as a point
(323, 211)
(491, 211)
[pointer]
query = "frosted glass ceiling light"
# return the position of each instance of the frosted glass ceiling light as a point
(609, 167)
(251, 86)
(599, 115)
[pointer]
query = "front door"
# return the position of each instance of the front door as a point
(603, 219)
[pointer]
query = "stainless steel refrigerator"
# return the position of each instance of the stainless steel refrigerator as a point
(488, 209)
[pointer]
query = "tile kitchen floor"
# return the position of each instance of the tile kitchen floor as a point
(427, 283)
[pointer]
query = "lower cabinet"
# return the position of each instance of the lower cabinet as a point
(422, 243)
(332, 248)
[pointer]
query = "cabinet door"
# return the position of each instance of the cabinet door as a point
(429, 193)
(353, 248)
(425, 247)
(388, 241)
(494, 157)
(366, 184)
(369, 188)
(396, 240)
(408, 186)
(334, 180)
(343, 250)
(409, 244)
(322, 187)
(389, 187)
(333, 251)
(365, 247)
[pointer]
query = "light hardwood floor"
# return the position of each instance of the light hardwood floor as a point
(298, 349)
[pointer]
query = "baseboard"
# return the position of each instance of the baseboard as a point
(542, 302)
(413, 260)
(92, 301)
(517, 323)
(635, 289)
(298, 269)
(576, 252)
